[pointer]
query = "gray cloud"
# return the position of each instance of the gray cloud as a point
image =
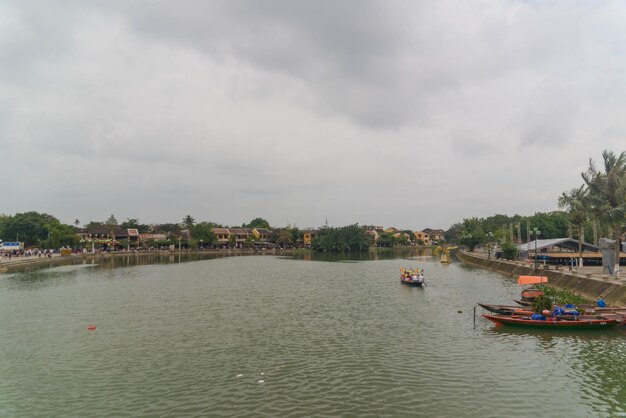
(404, 113)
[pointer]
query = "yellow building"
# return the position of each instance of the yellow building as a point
(423, 236)
(308, 236)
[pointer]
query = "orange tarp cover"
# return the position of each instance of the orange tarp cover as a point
(532, 279)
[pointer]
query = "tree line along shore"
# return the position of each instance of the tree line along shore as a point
(596, 208)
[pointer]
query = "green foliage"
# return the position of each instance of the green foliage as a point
(509, 251)
(111, 221)
(188, 223)
(346, 238)
(472, 233)
(453, 234)
(296, 234)
(167, 228)
(258, 223)
(284, 237)
(541, 303)
(386, 240)
(204, 231)
(607, 192)
(37, 229)
(134, 223)
(563, 297)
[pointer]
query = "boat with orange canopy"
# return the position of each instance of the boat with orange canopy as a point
(531, 293)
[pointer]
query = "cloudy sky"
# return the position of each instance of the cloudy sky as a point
(395, 113)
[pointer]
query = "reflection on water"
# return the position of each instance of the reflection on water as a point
(274, 336)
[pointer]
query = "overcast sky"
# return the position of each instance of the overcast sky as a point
(410, 114)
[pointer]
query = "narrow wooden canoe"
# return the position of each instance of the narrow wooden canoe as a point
(583, 322)
(504, 309)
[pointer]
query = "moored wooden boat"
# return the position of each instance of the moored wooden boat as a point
(586, 308)
(504, 309)
(579, 322)
(531, 294)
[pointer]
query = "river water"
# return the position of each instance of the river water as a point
(268, 336)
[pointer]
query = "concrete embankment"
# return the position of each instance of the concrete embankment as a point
(591, 286)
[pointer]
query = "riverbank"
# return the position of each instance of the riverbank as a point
(17, 263)
(588, 282)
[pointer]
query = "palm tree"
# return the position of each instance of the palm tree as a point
(576, 203)
(607, 194)
(188, 222)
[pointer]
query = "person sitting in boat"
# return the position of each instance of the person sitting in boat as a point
(414, 278)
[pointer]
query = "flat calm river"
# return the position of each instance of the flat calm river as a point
(267, 336)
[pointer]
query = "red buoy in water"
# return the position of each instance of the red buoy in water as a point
(91, 327)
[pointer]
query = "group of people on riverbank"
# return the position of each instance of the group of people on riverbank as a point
(8, 255)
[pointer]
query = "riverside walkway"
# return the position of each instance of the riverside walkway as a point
(589, 282)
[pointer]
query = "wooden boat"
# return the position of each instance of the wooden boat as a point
(505, 309)
(575, 322)
(412, 277)
(530, 294)
(586, 308)
(411, 283)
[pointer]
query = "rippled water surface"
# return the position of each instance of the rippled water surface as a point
(270, 336)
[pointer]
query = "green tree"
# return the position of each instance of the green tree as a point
(284, 237)
(346, 238)
(472, 233)
(188, 222)
(386, 240)
(111, 221)
(130, 223)
(607, 193)
(509, 250)
(258, 223)
(39, 229)
(204, 231)
(575, 202)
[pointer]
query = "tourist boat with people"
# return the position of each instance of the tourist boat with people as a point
(412, 277)
(560, 321)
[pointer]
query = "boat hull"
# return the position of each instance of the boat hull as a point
(531, 294)
(552, 323)
(411, 284)
(503, 309)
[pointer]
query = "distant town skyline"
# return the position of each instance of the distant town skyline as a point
(406, 114)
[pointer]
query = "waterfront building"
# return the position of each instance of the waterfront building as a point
(308, 235)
